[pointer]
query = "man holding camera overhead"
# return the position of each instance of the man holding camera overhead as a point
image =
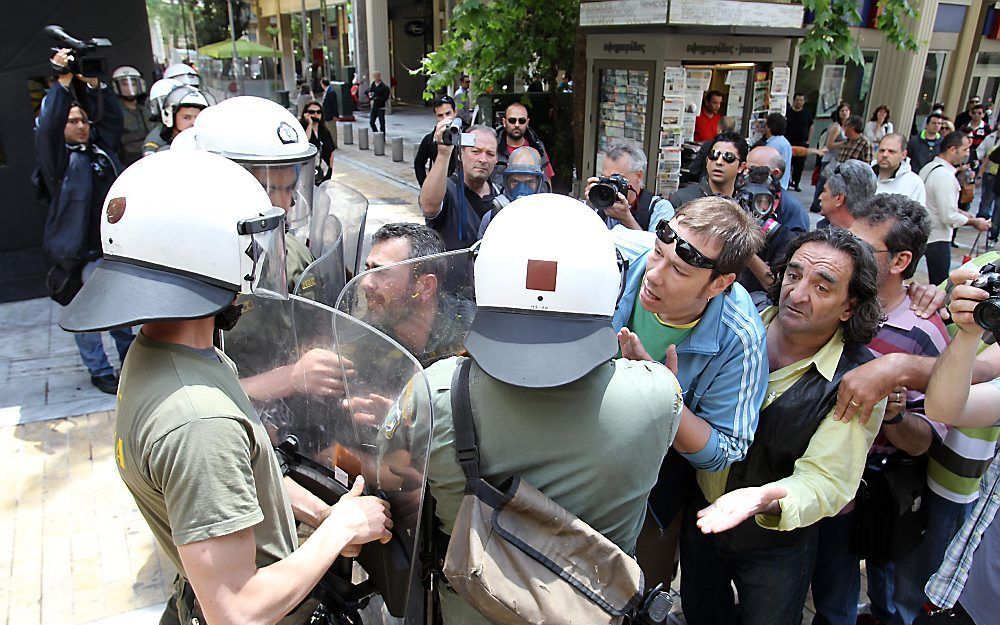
(619, 194)
(454, 205)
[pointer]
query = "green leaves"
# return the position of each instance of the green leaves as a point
(829, 38)
(497, 39)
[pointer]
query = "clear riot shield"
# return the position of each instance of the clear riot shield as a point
(337, 199)
(317, 271)
(426, 304)
(342, 400)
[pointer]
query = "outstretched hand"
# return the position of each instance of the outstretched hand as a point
(632, 349)
(733, 508)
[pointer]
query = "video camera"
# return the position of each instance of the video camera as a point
(756, 196)
(987, 312)
(454, 136)
(84, 62)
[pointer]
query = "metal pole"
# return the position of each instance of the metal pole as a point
(237, 73)
(304, 34)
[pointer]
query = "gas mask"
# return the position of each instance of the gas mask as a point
(756, 194)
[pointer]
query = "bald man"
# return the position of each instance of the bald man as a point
(523, 176)
(789, 212)
(516, 133)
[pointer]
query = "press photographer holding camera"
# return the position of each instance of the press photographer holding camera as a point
(618, 194)
(77, 162)
(964, 590)
(454, 205)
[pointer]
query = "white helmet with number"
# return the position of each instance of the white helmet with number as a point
(182, 95)
(267, 140)
(548, 278)
(158, 93)
(128, 82)
(183, 252)
(184, 74)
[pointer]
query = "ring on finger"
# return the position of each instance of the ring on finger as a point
(855, 404)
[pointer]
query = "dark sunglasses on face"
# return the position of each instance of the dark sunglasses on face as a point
(517, 120)
(729, 157)
(314, 112)
(687, 252)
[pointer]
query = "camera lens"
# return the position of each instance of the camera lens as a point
(987, 314)
(602, 195)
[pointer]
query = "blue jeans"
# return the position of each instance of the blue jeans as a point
(92, 349)
(89, 343)
(989, 201)
(905, 588)
(836, 582)
(772, 583)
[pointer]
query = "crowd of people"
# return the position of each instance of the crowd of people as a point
(704, 380)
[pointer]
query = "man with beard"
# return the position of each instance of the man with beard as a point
(454, 205)
(409, 302)
(516, 133)
(894, 172)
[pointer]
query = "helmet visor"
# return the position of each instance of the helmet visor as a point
(130, 86)
(264, 238)
(188, 79)
(290, 187)
(520, 183)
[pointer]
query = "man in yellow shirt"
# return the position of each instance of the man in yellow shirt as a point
(803, 465)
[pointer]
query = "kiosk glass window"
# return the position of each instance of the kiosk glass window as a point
(623, 99)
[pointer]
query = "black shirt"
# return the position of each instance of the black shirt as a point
(799, 122)
(426, 155)
(461, 214)
(775, 248)
(379, 94)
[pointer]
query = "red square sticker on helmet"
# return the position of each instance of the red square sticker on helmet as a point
(541, 275)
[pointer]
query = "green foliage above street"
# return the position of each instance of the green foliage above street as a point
(830, 39)
(498, 40)
(197, 22)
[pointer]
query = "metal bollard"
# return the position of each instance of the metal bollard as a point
(378, 141)
(362, 138)
(397, 150)
(348, 134)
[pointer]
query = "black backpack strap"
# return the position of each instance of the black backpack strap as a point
(466, 447)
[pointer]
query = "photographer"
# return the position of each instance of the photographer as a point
(964, 590)
(636, 208)
(454, 205)
(77, 162)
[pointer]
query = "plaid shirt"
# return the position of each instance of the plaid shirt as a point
(945, 586)
(858, 149)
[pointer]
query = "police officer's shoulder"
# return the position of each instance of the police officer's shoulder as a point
(439, 374)
(649, 384)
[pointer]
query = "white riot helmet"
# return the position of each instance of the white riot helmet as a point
(548, 278)
(182, 96)
(269, 142)
(128, 82)
(184, 74)
(157, 94)
(183, 252)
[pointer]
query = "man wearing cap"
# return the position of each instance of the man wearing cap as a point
(188, 443)
(550, 402)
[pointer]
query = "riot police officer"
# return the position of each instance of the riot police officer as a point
(130, 87)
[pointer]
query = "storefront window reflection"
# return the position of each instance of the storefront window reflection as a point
(930, 82)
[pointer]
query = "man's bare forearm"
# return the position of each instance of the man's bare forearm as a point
(306, 507)
(912, 435)
(948, 389)
(435, 185)
(693, 433)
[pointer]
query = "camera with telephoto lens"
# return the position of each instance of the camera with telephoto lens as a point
(84, 61)
(453, 135)
(756, 196)
(605, 191)
(987, 312)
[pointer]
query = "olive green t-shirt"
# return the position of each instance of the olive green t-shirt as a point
(194, 455)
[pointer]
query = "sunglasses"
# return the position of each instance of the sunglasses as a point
(314, 112)
(687, 252)
(728, 157)
(517, 120)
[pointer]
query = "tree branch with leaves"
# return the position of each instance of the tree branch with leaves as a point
(829, 37)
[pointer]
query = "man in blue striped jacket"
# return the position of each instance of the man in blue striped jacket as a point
(681, 304)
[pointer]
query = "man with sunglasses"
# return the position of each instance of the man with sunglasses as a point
(680, 304)
(444, 109)
(514, 134)
(638, 209)
(725, 162)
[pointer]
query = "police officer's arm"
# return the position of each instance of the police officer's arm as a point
(436, 184)
(233, 591)
(306, 507)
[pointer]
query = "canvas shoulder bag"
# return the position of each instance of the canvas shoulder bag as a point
(518, 557)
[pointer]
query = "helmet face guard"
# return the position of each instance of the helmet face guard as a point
(290, 187)
(129, 86)
(522, 180)
(264, 255)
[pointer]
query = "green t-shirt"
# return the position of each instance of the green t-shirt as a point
(655, 335)
(193, 453)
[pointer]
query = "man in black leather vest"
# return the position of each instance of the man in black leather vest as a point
(803, 465)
